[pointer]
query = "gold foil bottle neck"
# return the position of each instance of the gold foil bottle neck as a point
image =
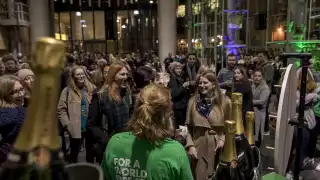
(40, 128)
(250, 127)
(229, 152)
(236, 99)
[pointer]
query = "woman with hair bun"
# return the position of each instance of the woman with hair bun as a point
(150, 152)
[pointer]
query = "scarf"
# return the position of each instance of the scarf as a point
(179, 78)
(191, 69)
(204, 106)
(83, 110)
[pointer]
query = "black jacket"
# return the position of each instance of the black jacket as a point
(247, 98)
(179, 94)
(116, 115)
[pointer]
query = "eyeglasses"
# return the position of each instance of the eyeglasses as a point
(79, 75)
(17, 91)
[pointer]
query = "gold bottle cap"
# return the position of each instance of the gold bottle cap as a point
(49, 55)
(250, 115)
(236, 98)
(250, 127)
(230, 127)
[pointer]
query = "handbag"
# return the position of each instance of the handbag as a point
(310, 118)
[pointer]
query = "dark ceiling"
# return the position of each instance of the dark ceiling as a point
(65, 5)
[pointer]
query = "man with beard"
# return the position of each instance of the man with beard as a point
(190, 70)
(11, 64)
(225, 75)
(266, 66)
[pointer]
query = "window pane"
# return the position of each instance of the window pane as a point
(76, 26)
(3, 38)
(123, 31)
(100, 26)
(56, 25)
(25, 40)
(65, 26)
(87, 25)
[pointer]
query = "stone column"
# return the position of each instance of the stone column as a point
(189, 25)
(167, 28)
(41, 19)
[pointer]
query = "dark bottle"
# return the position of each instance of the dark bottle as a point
(244, 150)
(228, 168)
(36, 153)
(255, 151)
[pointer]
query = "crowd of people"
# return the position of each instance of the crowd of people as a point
(128, 114)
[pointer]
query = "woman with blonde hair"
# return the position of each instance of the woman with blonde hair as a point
(73, 108)
(310, 121)
(11, 112)
(150, 152)
(11, 92)
(207, 111)
(110, 109)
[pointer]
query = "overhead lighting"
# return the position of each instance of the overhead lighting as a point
(123, 26)
(78, 13)
(136, 12)
(118, 32)
(151, 2)
(84, 25)
(118, 20)
(212, 40)
(82, 21)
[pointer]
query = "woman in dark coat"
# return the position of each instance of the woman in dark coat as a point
(109, 111)
(242, 85)
(179, 93)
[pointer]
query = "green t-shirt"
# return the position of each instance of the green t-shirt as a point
(128, 158)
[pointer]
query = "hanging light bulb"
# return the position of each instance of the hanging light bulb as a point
(136, 12)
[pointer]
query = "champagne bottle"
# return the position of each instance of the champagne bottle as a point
(36, 154)
(244, 150)
(228, 166)
(255, 151)
(250, 127)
